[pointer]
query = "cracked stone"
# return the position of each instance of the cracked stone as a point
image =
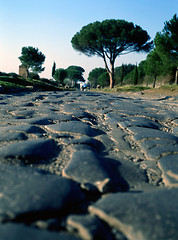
(146, 133)
(134, 214)
(86, 167)
(74, 127)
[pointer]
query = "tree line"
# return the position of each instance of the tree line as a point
(162, 60)
(32, 59)
(109, 39)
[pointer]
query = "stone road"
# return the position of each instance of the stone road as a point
(87, 165)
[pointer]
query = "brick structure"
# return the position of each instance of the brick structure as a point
(23, 71)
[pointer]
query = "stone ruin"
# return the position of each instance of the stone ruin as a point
(23, 71)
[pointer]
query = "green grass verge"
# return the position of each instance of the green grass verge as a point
(170, 87)
(20, 84)
(130, 88)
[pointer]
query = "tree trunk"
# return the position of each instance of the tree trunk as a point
(111, 76)
(176, 76)
(154, 82)
(110, 72)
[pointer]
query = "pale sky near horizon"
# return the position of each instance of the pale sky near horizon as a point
(50, 25)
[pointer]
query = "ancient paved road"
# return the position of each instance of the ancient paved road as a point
(85, 165)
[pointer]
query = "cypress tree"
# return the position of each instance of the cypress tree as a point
(136, 75)
(53, 69)
(122, 74)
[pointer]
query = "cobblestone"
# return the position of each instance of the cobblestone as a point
(87, 165)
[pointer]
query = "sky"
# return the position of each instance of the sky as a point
(49, 25)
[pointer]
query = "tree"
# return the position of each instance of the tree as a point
(135, 79)
(94, 76)
(75, 73)
(32, 59)
(103, 79)
(53, 69)
(166, 45)
(153, 65)
(60, 75)
(109, 39)
(141, 71)
(122, 74)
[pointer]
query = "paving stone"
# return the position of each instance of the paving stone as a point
(28, 104)
(175, 131)
(145, 133)
(22, 128)
(160, 151)
(2, 113)
(169, 167)
(74, 127)
(150, 143)
(39, 121)
(153, 114)
(135, 177)
(12, 136)
(117, 135)
(176, 121)
(86, 167)
(105, 143)
(88, 141)
(43, 110)
(61, 117)
(139, 122)
(128, 106)
(28, 194)
(26, 113)
(11, 231)
(141, 216)
(32, 151)
(82, 114)
(89, 227)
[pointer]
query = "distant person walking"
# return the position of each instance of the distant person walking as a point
(84, 86)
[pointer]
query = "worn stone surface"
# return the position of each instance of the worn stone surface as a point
(27, 194)
(74, 127)
(87, 165)
(32, 151)
(12, 231)
(89, 227)
(22, 128)
(169, 167)
(12, 136)
(142, 216)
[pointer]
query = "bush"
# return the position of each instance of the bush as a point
(3, 74)
(34, 76)
(14, 75)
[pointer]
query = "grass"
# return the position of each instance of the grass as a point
(170, 87)
(17, 83)
(130, 88)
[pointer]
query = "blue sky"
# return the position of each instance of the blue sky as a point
(51, 24)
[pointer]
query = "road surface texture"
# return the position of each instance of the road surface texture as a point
(88, 165)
